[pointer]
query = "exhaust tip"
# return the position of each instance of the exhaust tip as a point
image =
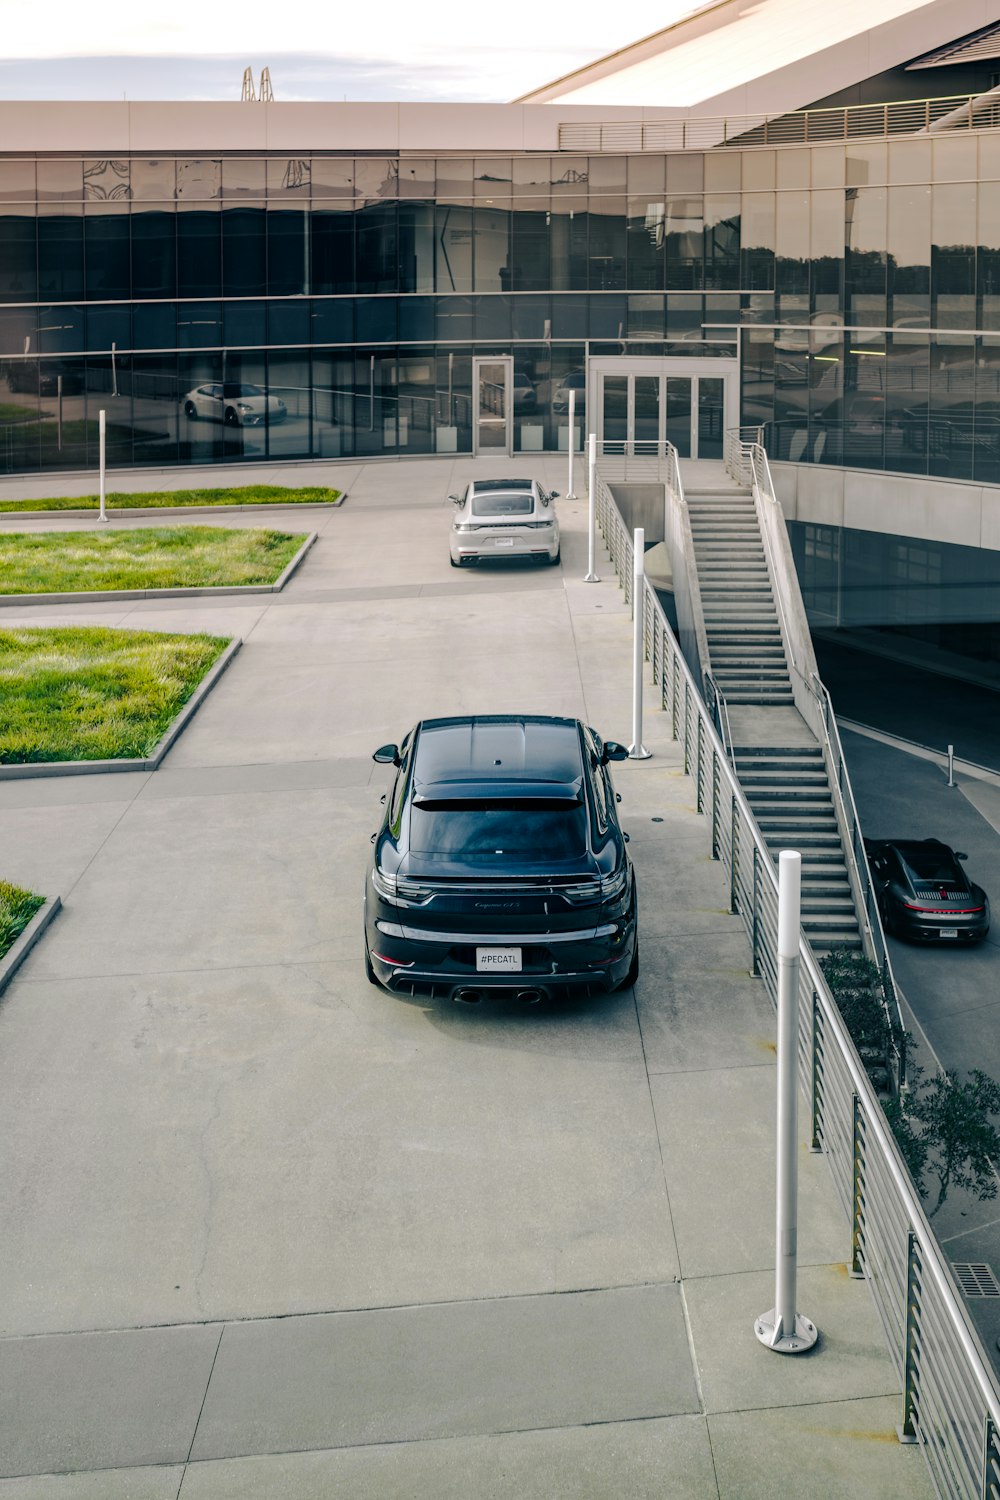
(466, 997)
(529, 997)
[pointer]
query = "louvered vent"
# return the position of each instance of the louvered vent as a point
(981, 46)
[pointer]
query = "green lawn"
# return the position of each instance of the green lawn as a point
(248, 494)
(80, 693)
(158, 557)
(17, 907)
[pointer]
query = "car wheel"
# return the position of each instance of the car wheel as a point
(232, 417)
(191, 411)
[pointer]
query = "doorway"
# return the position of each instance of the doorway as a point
(492, 380)
(642, 404)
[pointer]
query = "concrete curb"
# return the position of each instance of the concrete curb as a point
(15, 956)
(132, 511)
(148, 763)
(99, 596)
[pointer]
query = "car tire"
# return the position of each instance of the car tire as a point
(191, 411)
(232, 417)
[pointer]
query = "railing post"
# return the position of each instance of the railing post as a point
(591, 576)
(734, 893)
(991, 1458)
(676, 674)
(906, 1431)
(698, 799)
(754, 932)
(687, 725)
(570, 443)
(814, 1141)
(637, 750)
(857, 1188)
(715, 805)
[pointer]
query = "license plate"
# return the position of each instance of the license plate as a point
(498, 960)
(949, 932)
(505, 541)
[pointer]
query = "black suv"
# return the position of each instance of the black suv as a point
(500, 864)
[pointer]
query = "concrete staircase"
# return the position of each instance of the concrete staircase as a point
(779, 763)
(741, 621)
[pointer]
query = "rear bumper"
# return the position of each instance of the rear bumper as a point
(914, 929)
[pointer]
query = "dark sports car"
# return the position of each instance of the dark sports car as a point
(500, 865)
(923, 892)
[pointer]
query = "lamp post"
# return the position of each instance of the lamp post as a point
(591, 576)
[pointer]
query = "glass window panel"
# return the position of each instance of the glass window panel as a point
(757, 373)
(454, 177)
(107, 326)
(375, 320)
(646, 175)
(491, 318)
(646, 317)
(106, 181)
(607, 318)
(953, 255)
(289, 177)
(910, 161)
(416, 319)
(287, 244)
(199, 254)
(530, 270)
(377, 265)
(865, 237)
(333, 176)
(986, 453)
(492, 179)
(722, 240)
(107, 258)
(827, 166)
(758, 170)
(18, 329)
(376, 177)
(244, 324)
(684, 242)
(607, 241)
(792, 169)
(950, 426)
(791, 269)
(909, 241)
(288, 322)
(244, 177)
(568, 243)
(154, 325)
(614, 396)
(492, 249)
(757, 232)
(18, 257)
(532, 176)
(153, 179)
(988, 256)
(416, 178)
(453, 248)
(416, 247)
(454, 318)
(59, 181)
(907, 388)
(865, 163)
(826, 243)
(679, 414)
(244, 252)
(154, 253)
(332, 249)
(989, 154)
(199, 178)
(607, 174)
(955, 157)
(60, 257)
(646, 412)
(711, 417)
(686, 173)
(684, 318)
(646, 241)
(17, 181)
(199, 325)
(569, 317)
(332, 320)
(722, 171)
(531, 317)
(60, 329)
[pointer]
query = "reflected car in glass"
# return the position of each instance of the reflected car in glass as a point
(500, 867)
(575, 381)
(924, 894)
(501, 519)
(523, 392)
(235, 403)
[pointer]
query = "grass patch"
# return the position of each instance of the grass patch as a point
(79, 693)
(154, 558)
(247, 494)
(17, 907)
(9, 412)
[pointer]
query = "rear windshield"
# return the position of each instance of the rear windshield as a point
(932, 865)
(530, 831)
(503, 505)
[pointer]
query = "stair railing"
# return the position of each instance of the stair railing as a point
(746, 460)
(950, 1398)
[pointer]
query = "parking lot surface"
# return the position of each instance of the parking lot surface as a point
(267, 1230)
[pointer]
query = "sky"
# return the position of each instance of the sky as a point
(442, 50)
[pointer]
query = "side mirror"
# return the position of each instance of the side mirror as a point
(554, 495)
(387, 755)
(457, 499)
(613, 751)
(960, 855)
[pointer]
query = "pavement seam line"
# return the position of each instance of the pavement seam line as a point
(201, 1408)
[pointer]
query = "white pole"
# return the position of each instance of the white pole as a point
(637, 750)
(591, 507)
(59, 409)
(100, 427)
(951, 765)
(784, 1329)
(570, 443)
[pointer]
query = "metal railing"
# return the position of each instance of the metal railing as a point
(746, 461)
(950, 1395)
(795, 128)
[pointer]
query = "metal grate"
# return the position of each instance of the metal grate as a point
(976, 1278)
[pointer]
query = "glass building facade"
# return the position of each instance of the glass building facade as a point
(857, 285)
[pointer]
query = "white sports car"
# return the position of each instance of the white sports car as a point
(235, 404)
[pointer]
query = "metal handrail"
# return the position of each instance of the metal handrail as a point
(791, 128)
(950, 1394)
(716, 699)
(748, 461)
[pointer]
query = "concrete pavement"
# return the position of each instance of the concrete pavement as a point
(270, 1231)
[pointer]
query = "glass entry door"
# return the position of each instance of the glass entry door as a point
(637, 412)
(492, 380)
